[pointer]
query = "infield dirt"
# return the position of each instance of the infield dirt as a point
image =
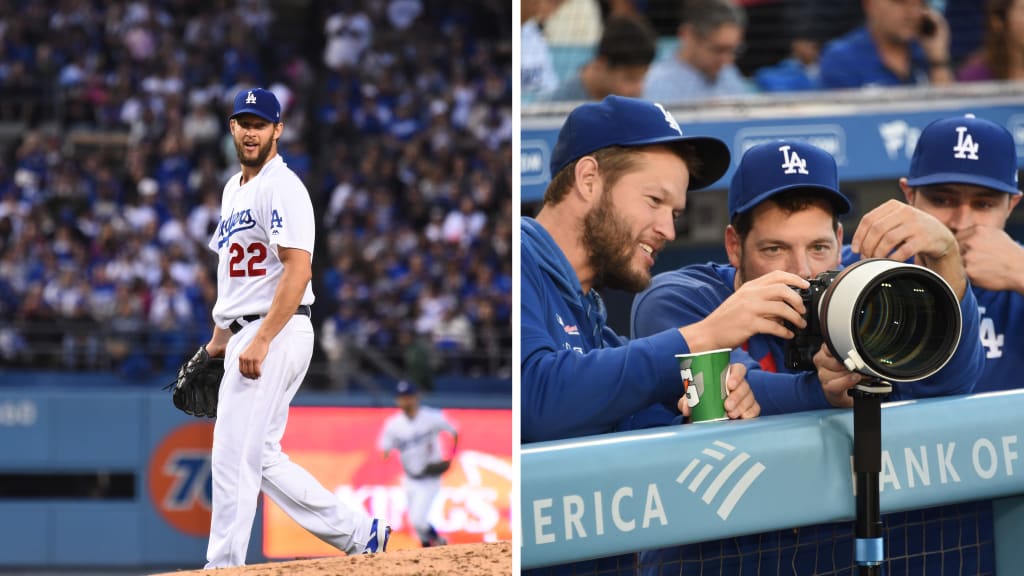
(484, 559)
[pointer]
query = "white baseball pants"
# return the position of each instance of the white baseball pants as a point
(247, 457)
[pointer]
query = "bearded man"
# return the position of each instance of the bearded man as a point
(621, 169)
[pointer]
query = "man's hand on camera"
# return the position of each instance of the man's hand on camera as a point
(899, 231)
(835, 378)
(760, 306)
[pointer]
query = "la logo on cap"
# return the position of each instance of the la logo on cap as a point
(792, 162)
(251, 98)
(668, 118)
(966, 148)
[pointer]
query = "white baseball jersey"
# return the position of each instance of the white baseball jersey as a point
(416, 438)
(273, 209)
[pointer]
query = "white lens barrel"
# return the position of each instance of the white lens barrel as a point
(842, 309)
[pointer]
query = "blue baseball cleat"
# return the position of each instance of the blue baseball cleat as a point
(380, 533)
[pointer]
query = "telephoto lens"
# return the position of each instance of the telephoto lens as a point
(889, 320)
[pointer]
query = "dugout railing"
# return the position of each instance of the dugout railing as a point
(605, 495)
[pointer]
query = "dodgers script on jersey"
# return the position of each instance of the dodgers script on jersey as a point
(274, 205)
(415, 439)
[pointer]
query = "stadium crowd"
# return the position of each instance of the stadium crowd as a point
(709, 49)
(115, 149)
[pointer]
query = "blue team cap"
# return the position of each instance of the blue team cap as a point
(260, 102)
(773, 167)
(622, 121)
(405, 388)
(965, 150)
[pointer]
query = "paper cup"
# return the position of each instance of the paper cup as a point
(704, 375)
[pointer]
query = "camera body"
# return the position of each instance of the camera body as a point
(884, 319)
(800, 350)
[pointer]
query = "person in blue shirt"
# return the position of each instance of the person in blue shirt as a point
(619, 65)
(964, 173)
(784, 203)
(902, 42)
(704, 67)
(622, 168)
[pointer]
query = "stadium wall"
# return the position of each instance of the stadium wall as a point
(116, 477)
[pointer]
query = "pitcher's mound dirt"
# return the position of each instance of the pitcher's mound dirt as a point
(485, 559)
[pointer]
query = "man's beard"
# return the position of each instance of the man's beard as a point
(612, 248)
(261, 156)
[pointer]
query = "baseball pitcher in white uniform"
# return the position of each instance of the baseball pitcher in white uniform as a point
(414, 432)
(262, 315)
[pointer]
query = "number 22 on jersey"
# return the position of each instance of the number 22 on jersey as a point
(247, 260)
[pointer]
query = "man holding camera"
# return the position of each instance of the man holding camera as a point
(784, 204)
(964, 173)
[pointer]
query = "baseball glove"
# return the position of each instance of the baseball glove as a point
(197, 385)
(437, 468)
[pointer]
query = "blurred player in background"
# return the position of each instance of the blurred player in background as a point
(414, 433)
(964, 173)
(265, 246)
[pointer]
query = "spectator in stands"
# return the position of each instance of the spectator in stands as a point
(710, 37)
(964, 173)
(127, 198)
(575, 23)
(902, 42)
(967, 24)
(537, 70)
(453, 337)
(623, 56)
(1002, 56)
(800, 71)
(462, 226)
(766, 35)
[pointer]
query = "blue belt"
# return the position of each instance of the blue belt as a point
(244, 321)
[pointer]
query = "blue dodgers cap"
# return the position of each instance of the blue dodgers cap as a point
(260, 102)
(965, 150)
(622, 121)
(773, 167)
(405, 388)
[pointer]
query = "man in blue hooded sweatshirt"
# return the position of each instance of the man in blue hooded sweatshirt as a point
(621, 169)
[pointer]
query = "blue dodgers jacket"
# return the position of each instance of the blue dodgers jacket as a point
(691, 293)
(578, 376)
(1002, 339)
